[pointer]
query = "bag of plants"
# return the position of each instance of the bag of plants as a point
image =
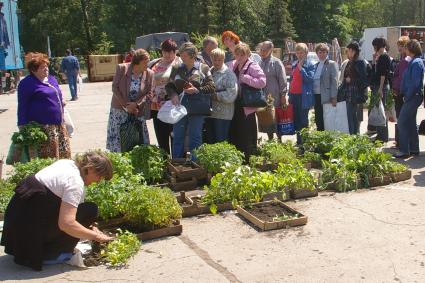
(377, 115)
(131, 133)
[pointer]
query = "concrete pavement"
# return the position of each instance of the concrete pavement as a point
(363, 236)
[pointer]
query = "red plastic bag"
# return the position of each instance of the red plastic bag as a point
(285, 120)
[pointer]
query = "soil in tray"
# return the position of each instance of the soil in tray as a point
(94, 258)
(271, 212)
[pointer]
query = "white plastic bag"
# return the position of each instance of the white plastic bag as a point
(391, 114)
(171, 114)
(68, 122)
(377, 115)
(80, 83)
(335, 118)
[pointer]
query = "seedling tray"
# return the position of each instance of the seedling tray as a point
(401, 176)
(379, 181)
(263, 218)
(303, 193)
(181, 169)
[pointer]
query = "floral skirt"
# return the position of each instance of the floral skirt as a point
(118, 117)
(58, 144)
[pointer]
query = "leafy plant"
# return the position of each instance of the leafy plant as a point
(121, 163)
(295, 176)
(214, 156)
(23, 170)
(278, 152)
(120, 250)
(320, 142)
(152, 206)
(339, 174)
(148, 160)
(239, 185)
(30, 134)
(396, 167)
(111, 196)
(309, 156)
(6, 193)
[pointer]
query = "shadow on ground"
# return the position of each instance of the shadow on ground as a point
(11, 271)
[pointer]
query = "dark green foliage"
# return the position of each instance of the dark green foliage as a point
(214, 156)
(148, 160)
(31, 134)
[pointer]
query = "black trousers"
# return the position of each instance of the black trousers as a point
(243, 132)
(31, 232)
(398, 103)
(163, 132)
(318, 112)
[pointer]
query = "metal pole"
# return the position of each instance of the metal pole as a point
(49, 52)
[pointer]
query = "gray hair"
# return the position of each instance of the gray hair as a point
(189, 48)
(268, 44)
(209, 39)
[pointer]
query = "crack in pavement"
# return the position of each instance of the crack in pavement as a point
(203, 254)
(374, 217)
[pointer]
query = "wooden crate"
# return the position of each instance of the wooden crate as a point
(379, 181)
(303, 193)
(267, 225)
(173, 230)
(194, 170)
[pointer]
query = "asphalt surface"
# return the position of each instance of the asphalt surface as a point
(363, 236)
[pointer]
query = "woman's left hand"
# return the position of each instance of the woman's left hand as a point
(191, 90)
(132, 108)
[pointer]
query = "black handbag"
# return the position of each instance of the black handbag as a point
(197, 104)
(421, 130)
(131, 133)
(251, 96)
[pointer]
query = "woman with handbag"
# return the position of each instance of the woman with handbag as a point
(243, 128)
(380, 84)
(132, 89)
(354, 86)
(162, 68)
(413, 94)
(301, 89)
(40, 100)
(193, 80)
(276, 84)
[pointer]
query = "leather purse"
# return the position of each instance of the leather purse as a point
(197, 104)
(251, 96)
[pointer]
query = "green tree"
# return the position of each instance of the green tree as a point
(279, 22)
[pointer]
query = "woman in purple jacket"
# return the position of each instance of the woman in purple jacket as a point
(243, 128)
(40, 100)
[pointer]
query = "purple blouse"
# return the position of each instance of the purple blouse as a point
(39, 102)
(399, 71)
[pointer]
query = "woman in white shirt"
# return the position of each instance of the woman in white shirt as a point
(47, 215)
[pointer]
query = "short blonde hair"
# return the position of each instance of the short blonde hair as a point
(301, 47)
(403, 40)
(242, 48)
(96, 160)
(217, 53)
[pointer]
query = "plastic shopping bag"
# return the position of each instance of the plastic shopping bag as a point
(170, 113)
(68, 122)
(285, 120)
(80, 83)
(335, 118)
(377, 116)
(391, 114)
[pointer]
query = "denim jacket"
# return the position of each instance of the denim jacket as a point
(307, 72)
(413, 78)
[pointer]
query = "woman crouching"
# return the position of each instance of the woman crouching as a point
(47, 215)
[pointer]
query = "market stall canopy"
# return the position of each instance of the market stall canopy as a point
(153, 41)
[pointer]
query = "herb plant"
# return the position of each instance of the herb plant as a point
(319, 141)
(6, 193)
(111, 196)
(121, 163)
(120, 250)
(30, 134)
(153, 207)
(277, 152)
(240, 185)
(23, 170)
(148, 160)
(214, 156)
(295, 176)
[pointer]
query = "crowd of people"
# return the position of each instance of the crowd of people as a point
(211, 85)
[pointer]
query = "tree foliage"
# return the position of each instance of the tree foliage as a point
(112, 26)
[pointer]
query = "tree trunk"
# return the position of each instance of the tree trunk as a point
(86, 25)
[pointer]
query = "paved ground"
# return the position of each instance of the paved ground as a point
(363, 236)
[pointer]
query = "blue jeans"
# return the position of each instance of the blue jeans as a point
(72, 82)
(220, 129)
(300, 115)
(407, 128)
(193, 125)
